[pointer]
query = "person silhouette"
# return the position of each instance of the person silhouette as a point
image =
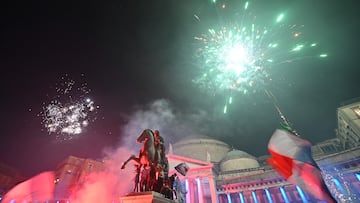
(137, 177)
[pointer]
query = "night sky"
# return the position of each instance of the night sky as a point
(137, 57)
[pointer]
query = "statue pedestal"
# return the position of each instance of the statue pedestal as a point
(145, 197)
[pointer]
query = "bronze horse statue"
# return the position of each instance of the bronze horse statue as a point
(160, 156)
(146, 159)
(152, 162)
(147, 152)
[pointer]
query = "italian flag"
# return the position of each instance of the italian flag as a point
(292, 159)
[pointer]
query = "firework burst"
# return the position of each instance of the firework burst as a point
(238, 57)
(69, 111)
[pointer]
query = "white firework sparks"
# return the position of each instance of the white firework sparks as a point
(70, 112)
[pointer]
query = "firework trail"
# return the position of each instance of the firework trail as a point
(70, 111)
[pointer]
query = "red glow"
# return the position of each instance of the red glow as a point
(109, 185)
(37, 188)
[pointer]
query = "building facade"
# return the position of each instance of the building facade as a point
(348, 131)
(71, 173)
(236, 176)
(218, 173)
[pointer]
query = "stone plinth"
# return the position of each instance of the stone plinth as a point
(145, 197)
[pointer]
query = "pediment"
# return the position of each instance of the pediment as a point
(195, 166)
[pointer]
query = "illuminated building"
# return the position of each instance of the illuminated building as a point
(220, 174)
(71, 173)
(348, 130)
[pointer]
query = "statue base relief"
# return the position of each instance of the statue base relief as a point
(145, 197)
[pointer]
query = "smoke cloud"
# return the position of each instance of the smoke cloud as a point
(172, 124)
(109, 185)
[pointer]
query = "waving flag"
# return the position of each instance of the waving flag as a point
(182, 168)
(39, 188)
(292, 159)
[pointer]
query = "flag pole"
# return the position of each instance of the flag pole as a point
(295, 167)
(277, 107)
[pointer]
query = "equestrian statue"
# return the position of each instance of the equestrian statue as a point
(152, 166)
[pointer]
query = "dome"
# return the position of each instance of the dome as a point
(201, 148)
(237, 160)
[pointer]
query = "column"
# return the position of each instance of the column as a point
(253, 193)
(283, 193)
(199, 190)
(268, 195)
(302, 195)
(192, 191)
(214, 197)
(241, 197)
(339, 186)
(357, 175)
(187, 188)
(228, 198)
